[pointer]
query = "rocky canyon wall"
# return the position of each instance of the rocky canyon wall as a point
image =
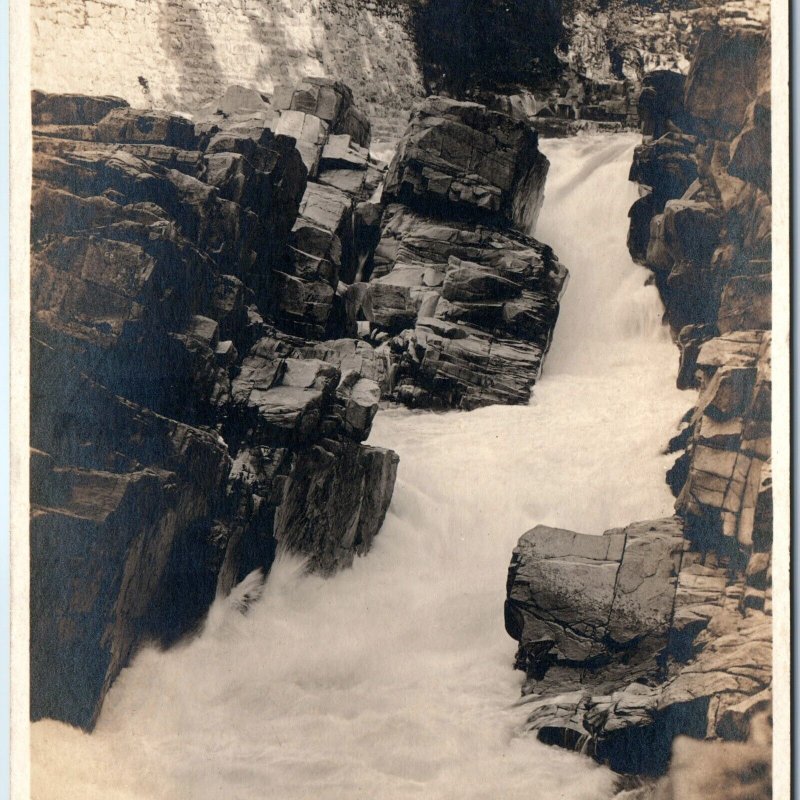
(579, 59)
(218, 307)
(664, 628)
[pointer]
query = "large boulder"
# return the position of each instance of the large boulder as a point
(462, 155)
(632, 638)
(579, 598)
(472, 308)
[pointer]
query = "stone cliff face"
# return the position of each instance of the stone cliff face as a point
(664, 628)
(218, 306)
(605, 49)
(568, 60)
(174, 429)
(464, 301)
(181, 54)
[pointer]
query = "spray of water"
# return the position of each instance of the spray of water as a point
(394, 679)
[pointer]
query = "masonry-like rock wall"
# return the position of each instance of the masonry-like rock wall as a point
(460, 300)
(179, 54)
(211, 340)
(573, 59)
(179, 436)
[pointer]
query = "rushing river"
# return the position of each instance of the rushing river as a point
(394, 679)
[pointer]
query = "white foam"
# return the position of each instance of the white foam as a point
(394, 679)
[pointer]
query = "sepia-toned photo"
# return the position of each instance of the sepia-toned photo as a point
(395, 399)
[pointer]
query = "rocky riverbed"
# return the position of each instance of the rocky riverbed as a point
(223, 301)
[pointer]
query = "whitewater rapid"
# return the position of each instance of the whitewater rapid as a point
(394, 679)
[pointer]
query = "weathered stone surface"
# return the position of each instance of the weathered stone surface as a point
(667, 165)
(746, 304)
(335, 501)
(327, 243)
(282, 399)
(109, 504)
(560, 592)
(724, 77)
(704, 225)
(462, 155)
(163, 255)
(577, 598)
(330, 101)
(631, 638)
(71, 109)
(646, 582)
(474, 308)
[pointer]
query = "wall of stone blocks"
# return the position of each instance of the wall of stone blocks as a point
(179, 54)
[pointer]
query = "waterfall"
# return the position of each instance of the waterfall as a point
(394, 679)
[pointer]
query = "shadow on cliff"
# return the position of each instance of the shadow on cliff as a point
(186, 41)
(268, 31)
(487, 44)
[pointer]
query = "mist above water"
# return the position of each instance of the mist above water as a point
(395, 679)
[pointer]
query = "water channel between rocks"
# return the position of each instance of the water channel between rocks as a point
(394, 679)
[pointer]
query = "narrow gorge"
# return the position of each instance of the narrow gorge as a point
(312, 349)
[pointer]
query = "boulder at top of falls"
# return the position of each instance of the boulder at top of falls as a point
(473, 308)
(463, 156)
(729, 69)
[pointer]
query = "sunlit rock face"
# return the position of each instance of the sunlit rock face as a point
(179, 54)
(634, 637)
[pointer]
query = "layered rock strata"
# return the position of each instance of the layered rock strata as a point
(180, 437)
(664, 629)
(462, 302)
(218, 307)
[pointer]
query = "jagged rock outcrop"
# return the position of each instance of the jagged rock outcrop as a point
(633, 637)
(179, 436)
(326, 243)
(218, 307)
(708, 241)
(462, 303)
(608, 53)
(664, 629)
(703, 223)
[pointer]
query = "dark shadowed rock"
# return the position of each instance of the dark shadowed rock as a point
(462, 155)
(335, 501)
(164, 254)
(109, 504)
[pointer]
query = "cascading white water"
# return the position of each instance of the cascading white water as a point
(394, 679)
